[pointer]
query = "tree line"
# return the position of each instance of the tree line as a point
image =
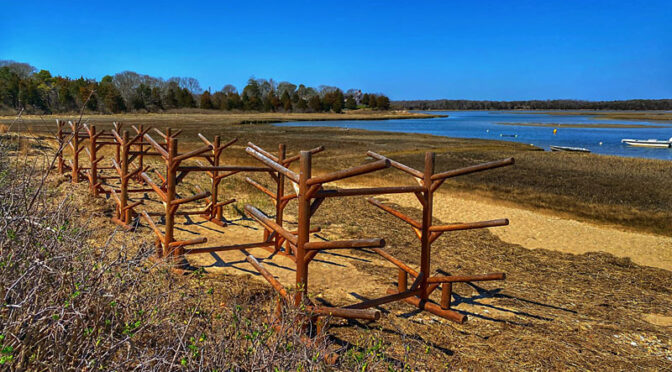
(555, 104)
(22, 86)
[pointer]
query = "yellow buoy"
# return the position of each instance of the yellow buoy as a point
(555, 131)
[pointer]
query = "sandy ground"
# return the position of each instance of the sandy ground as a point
(353, 285)
(532, 230)
(529, 229)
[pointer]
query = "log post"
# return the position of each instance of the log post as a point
(124, 214)
(402, 283)
(75, 152)
(93, 171)
(280, 192)
(446, 292)
(171, 169)
(215, 212)
(117, 150)
(304, 227)
(141, 148)
(427, 211)
(61, 146)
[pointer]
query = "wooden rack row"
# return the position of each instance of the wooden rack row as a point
(310, 193)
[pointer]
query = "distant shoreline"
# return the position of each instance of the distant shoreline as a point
(647, 115)
(226, 118)
(586, 125)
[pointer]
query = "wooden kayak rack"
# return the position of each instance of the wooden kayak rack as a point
(309, 192)
(175, 173)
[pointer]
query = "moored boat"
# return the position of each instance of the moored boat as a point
(569, 149)
(647, 143)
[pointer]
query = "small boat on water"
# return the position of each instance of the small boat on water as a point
(648, 143)
(508, 135)
(569, 149)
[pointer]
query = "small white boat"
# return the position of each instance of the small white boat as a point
(648, 143)
(569, 149)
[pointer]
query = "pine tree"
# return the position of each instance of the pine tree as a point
(383, 103)
(315, 104)
(206, 100)
(350, 103)
(286, 102)
(372, 101)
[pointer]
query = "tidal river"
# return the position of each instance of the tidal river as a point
(526, 127)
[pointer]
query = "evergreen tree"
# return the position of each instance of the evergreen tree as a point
(110, 96)
(350, 103)
(9, 87)
(206, 100)
(286, 102)
(382, 102)
(372, 101)
(315, 104)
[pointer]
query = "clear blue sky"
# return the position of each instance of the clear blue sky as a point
(500, 50)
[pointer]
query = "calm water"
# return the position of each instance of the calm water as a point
(483, 124)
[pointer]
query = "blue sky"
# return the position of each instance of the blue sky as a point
(501, 50)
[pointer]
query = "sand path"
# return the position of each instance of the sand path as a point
(532, 230)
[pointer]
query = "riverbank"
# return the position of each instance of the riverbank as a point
(664, 116)
(40, 123)
(583, 125)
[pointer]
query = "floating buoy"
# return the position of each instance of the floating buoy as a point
(487, 131)
(555, 131)
(600, 143)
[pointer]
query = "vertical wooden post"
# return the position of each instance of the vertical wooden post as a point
(61, 146)
(425, 252)
(117, 153)
(75, 152)
(402, 282)
(93, 170)
(171, 168)
(446, 292)
(280, 192)
(215, 212)
(142, 148)
(124, 214)
(304, 227)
